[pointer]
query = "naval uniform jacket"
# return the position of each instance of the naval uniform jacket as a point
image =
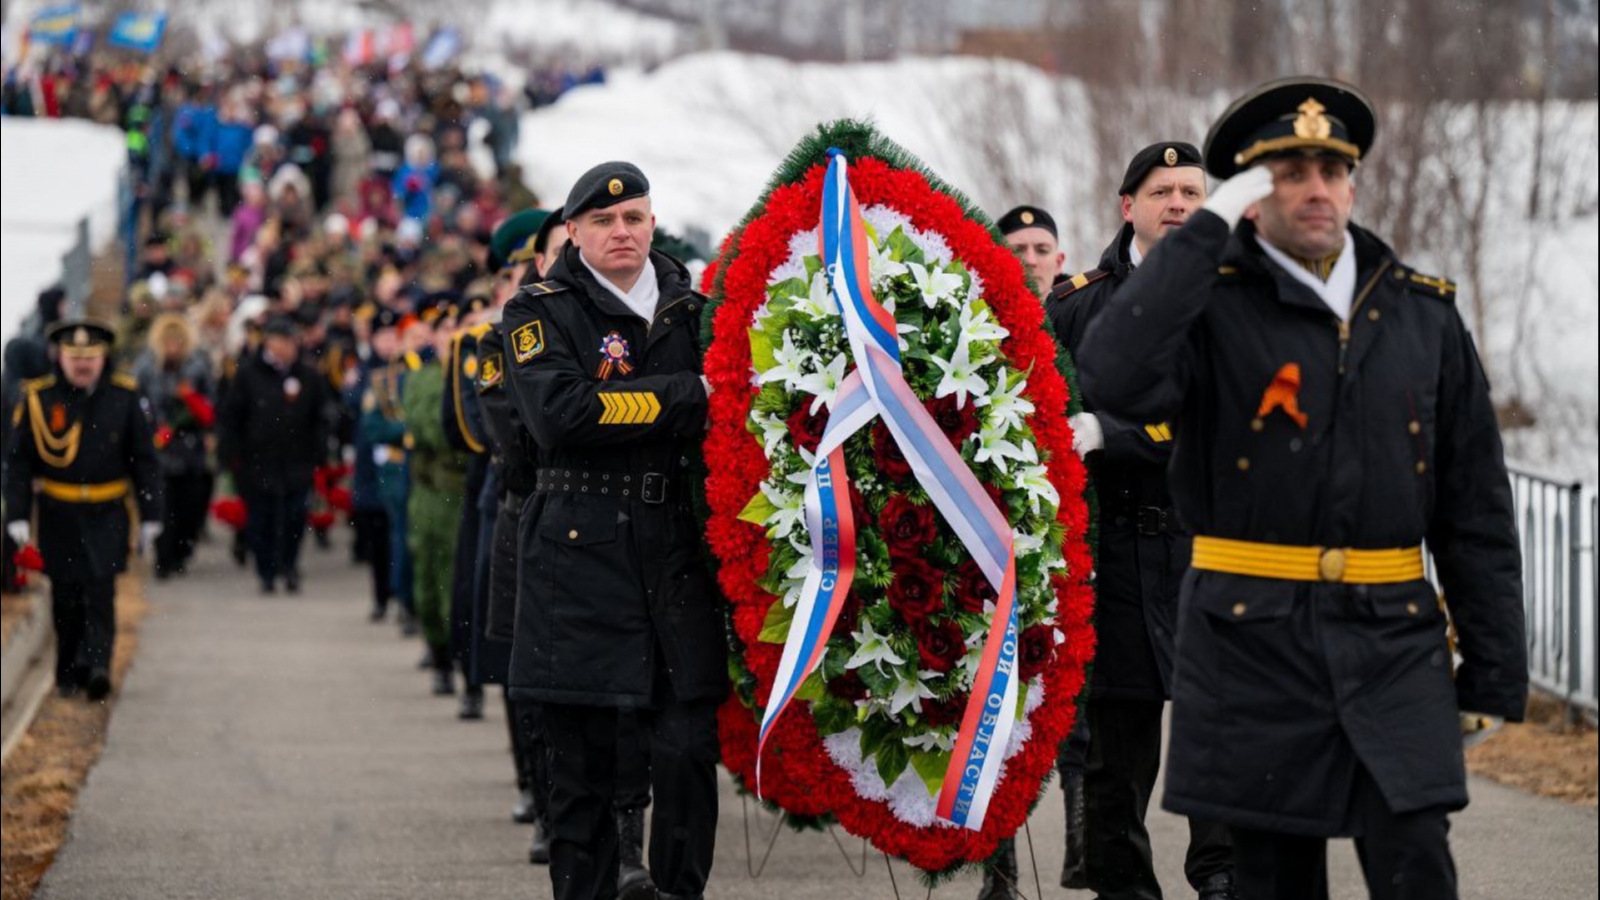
(1284, 690)
(612, 589)
(1142, 552)
(515, 459)
(89, 452)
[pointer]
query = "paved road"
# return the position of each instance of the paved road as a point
(285, 748)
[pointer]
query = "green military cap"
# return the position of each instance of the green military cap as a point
(513, 240)
(1291, 115)
(606, 185)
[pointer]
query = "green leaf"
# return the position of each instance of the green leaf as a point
(761, 355)
(1022, 698)
(892, 759)
(789, 287)
(813, 266)
(775, 630)
(833, 716)
(758, 510)
(812, 689)
(930, 767)
(902, 248)
(874, 732)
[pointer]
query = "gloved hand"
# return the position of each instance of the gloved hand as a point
(19, 531)
(1087, 436)
(1234, 196)
(1477, 728)
(148, 533)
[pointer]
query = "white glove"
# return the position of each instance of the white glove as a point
(1234, 196)
(20, 531)
(1087, 435)
(148, 533)
(707, 382)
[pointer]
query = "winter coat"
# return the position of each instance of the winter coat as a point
(273, 428)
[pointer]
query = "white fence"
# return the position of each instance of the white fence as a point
(1556, 522)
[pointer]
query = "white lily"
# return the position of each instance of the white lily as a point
(961, 377)
(790, 510)
(774, 431)
(901, 328)
(911, 692)
(978, 325)
(880, 265)
(993, 448)
(930, 742)
(818, 304)
(1035, 480)
(872, 648)
(1024, 544)
(935, 284)
(790, 362)
(823, 385)
(1006, 408)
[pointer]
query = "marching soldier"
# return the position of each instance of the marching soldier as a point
(84, 437)
(438, 483)
(615, 609)
(1141, 556)
(1030, 232)
(1329, 416)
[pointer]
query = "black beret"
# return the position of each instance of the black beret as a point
(82, 333)
(1291, 115)
(1168, 154)
(606, 185)
(1026, 217)
(281, 326)
(437, 305)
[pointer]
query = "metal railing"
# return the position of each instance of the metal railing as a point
(1556, 524)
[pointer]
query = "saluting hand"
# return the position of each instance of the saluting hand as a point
(19, 531)
(1239, 193)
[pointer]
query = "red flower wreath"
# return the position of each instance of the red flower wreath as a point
(797, 772)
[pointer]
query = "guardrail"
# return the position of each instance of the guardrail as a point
(1556, 522)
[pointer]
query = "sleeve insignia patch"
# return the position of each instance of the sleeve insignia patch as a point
(490, 371)
(629, 408)
(528, 341)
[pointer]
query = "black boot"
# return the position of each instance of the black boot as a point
(539, 850)
(1000, 875)
(408, 622)
(99, 683)
(633, 879)
(444, 683)
(471, 704)
(1218, 887)
(1075, 868)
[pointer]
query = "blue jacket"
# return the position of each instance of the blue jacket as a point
(414, 188)
(192, 125)
(231, 142)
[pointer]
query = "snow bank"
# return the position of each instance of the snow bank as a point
(52, 174)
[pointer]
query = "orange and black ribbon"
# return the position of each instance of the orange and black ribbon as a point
(1283, 393)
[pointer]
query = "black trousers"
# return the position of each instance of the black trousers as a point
(1123, 759)
(1404, 856)
(633, 761)
(583, 792)
(276, 526)
(187, 499)
(372, 546)
(85, 617)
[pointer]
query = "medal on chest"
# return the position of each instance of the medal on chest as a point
(614, 355)
(291, 388)
(58, 418)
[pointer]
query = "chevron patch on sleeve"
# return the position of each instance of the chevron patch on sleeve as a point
(1160, 432)
(629, 408)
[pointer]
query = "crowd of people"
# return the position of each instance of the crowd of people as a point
(341, 313)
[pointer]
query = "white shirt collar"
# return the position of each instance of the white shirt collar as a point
(1339, 291)
(645, 295)
(1134, 256)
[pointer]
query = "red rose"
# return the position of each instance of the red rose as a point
(999, 499)
(958, 423)
(973, 589)
(940, 646)
(806, 429)
(917, 591)
(849, 686)
(849, 615)
(949, 711)
(1034, 654)
(858, 506)
(907, 527)
(163, 437)
(886, 453)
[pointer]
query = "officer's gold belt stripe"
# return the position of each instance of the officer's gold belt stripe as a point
(1292, 563)
(67, 492)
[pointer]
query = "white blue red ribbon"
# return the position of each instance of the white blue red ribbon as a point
(876, 388)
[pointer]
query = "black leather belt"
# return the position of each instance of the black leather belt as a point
(514, 501)
(649, 487)
(1148, 521)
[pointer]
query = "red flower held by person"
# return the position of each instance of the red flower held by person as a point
(940, 646)
(917, 591)
(806, 428)
(907, 527)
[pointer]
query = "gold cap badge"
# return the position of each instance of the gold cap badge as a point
(80, 338)
(1026, 217)
(1312, 123)
(1171, 156)
(615, 187)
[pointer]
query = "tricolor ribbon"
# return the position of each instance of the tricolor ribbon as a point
(877, 388)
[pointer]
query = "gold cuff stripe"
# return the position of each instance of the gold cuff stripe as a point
(1160, 432)
(629, 408)
(1293, 563)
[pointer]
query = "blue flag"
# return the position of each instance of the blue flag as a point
(138, 31)
(56, 25)
(442, 48)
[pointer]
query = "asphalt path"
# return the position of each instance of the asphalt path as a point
(284, 747)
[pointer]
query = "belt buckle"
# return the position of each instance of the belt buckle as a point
(1331, 564)
(83, 493)
(1151, 520)
(654, 491)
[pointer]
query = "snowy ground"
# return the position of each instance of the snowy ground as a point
(52, 174)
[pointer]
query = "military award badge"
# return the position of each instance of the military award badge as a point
(613, 356)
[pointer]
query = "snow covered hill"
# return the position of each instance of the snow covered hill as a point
(52, 174)
(709, 129)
